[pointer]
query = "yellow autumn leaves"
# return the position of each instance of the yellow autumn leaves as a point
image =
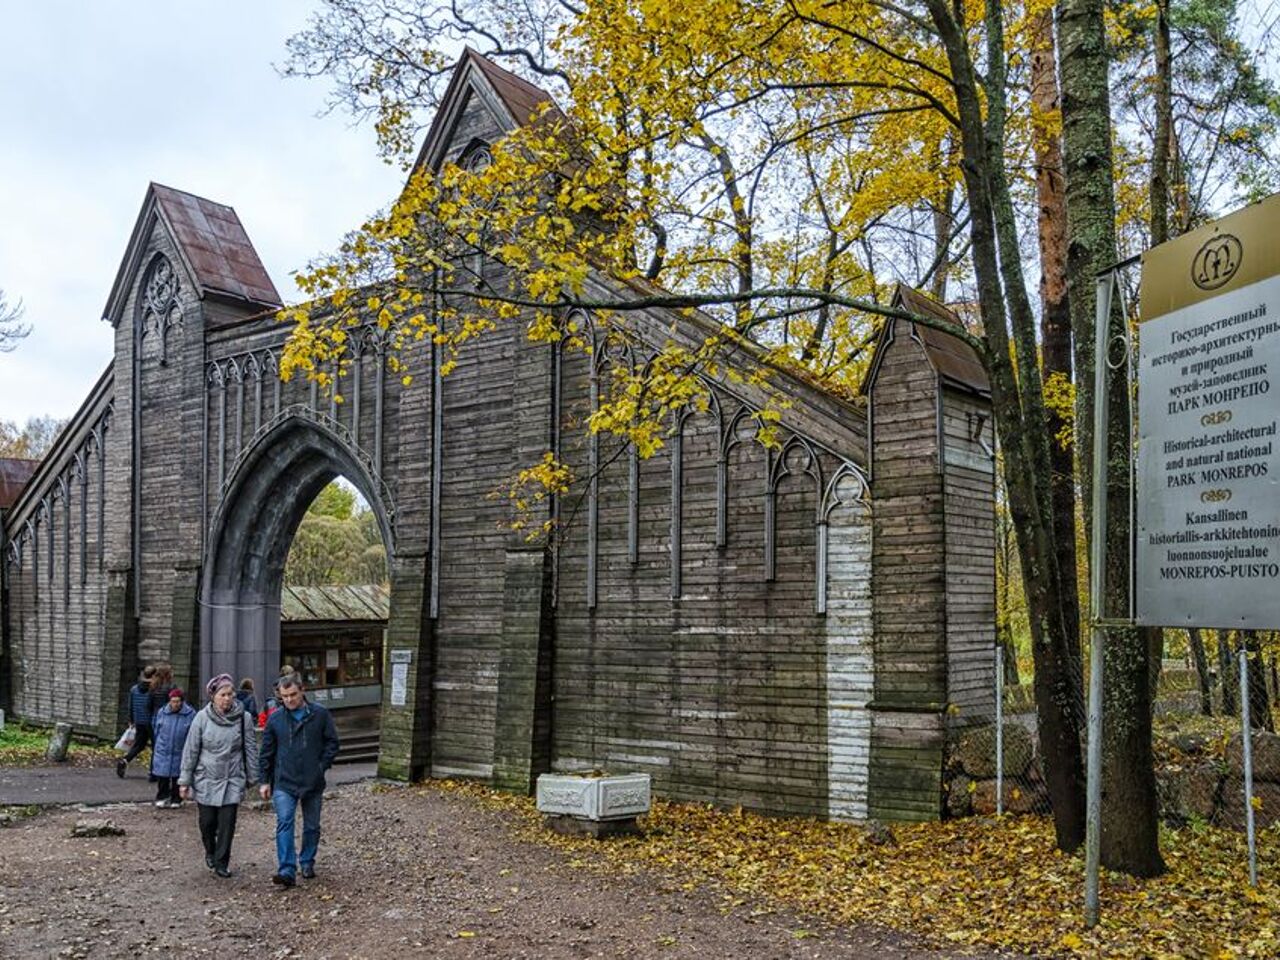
(980, 882)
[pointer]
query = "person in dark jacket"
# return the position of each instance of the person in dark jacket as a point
(246, 697)
(140, 713)
(169, 730)
(299, 744)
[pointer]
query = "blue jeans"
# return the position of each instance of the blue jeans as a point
(286, 805)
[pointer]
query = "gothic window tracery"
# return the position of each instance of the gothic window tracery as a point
(160, 310)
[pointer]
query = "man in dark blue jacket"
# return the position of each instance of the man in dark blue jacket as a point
(140, 713)
(298, 746)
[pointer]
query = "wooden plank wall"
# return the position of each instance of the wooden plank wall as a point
(723, 693)
(908, 583)
(850, 657)
(477, 456)
(56, 577)
(969, 492)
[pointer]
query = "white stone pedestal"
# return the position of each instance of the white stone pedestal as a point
(593, 805)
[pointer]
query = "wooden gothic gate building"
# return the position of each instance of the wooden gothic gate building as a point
(780, 629)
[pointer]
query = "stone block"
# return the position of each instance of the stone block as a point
(959, 796)
(96, 827)
(976, 751)
(599, 829)
(1019, 798)
(59, 743)
(1266, 756)
(1231, 812)
(1188, 793)
(594, 798)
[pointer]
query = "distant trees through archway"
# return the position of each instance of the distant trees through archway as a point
(338, 542)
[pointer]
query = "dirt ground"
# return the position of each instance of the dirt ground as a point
(401, 873)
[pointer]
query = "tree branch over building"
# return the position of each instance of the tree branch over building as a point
(12, 329)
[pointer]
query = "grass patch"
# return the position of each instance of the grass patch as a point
(23, 745)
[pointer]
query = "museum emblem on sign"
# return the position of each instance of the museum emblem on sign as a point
(1216, 262)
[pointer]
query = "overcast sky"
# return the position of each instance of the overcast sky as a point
(99, 98)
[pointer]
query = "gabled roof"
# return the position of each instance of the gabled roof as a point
(955, 361)
(14, 474)
(513, 100)
(213, 245)
(370, 601)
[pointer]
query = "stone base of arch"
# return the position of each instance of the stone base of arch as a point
(404, 752)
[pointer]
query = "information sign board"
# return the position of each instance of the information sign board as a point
(1208, 481)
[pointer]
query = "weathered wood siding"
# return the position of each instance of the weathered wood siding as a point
(56, 575)
(908, 582)
(933, 570)
(477, 456)
(691, 663)
(850, 658)
(969, 493)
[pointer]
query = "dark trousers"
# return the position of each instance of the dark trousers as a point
(167, 789)
(217, 827)
(141, 737)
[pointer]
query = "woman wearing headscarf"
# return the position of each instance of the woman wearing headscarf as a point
(219, 762)
(170, 727)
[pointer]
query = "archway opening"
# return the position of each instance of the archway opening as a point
(334, 606)
(256, 526)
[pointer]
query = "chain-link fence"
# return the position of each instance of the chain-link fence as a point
(1207, 773)
(993, 764)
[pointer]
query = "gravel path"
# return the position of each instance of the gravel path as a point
(97, 783)
(402, 873)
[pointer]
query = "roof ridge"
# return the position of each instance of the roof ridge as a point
(487, 64)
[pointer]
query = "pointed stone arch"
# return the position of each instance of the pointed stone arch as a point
(268, 490)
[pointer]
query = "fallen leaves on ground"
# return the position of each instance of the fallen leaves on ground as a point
(978, 882)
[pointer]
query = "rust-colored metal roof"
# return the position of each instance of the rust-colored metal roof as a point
(520, 98)
(518, 95)
(215, 245)
(14, 474)
(370, 601)
(212, 244)
(954, 359)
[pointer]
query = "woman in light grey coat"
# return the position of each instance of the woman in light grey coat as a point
(219, 762)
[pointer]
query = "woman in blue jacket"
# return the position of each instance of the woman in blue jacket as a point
(169, 727)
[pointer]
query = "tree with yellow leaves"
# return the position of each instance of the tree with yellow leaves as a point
(676, 159)
(771, 164)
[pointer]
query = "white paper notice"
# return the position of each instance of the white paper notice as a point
(399, 684)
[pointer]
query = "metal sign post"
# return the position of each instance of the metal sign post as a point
(1247, 756)
(999, 728)
(1097, 584)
